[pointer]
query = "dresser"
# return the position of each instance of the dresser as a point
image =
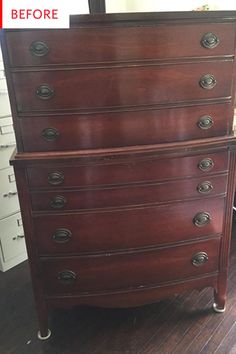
(12, 244)
(125, 161)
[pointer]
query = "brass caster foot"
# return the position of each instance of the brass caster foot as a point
(44, 338)
(216, 309)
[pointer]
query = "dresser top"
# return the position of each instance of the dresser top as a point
(122, 19)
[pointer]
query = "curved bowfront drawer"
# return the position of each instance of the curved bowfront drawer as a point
(127, 86)
(127, 271)
(130, 170)
(94, 232)
(103, 130)
(43, 47)
(129, 195)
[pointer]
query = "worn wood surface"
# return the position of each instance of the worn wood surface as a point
(181, 324)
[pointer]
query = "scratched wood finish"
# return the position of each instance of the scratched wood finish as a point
(181, 324)
(134, 270)
(135, 227)
(154, 193)
(125, 198)
(139, 169)
(120, 43)
(125, 86)
(124, 128)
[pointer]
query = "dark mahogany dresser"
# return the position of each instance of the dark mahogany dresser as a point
(125, 161)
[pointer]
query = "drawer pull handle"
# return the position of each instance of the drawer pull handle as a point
(55, 178)
(9, 194)
(18, 237)
(210, 40)
(205, 122)
(50, 134)
(67, 277)
(202, 219)
(39, 48)
(58, 202)
(62, 235)
(206, 164)
(208, 81)
(199, 259)
(44, 92)
(6, 146)
(205, 187)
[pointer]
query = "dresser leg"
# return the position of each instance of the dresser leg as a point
(219, 302)
(44, 332)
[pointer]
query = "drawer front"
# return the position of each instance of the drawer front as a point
(8, 193)
(120, 86)
(43, 47)
(125, 128)
(129, 195)
(128, 271)
(12, 237)
(5, 109)
(52, 176)
(134, 228)
(6, 151)
(7, 136)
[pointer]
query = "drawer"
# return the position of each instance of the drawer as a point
(116, 129)
(12, 237)
(129, 170)
(120, 43)
(110, 87)
(7, 135)
(128, 271)
(5, 109)
(6, 151)
(94, 232)
(8, 193)
(153, 193)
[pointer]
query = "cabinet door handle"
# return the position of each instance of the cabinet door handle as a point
(210, 40)
(202, 219)
(9, 194)
(39, 48)
(199, 259)
(67, 277)
(208, 81)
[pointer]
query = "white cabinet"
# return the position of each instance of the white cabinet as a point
(12, 243)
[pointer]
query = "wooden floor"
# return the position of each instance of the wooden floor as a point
(184, 324)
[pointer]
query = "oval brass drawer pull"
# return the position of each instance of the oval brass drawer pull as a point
(62, 235)
(205, 187)
(208, 81)
(55, 178)
(58, 202)
(67, 277)
(210, 40)
(44, 92)
(39, 48)
(206, 164)
(199, 259)
(202, 219)
(205, 122)
(50, 134)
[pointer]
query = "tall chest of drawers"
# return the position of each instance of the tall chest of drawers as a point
(125, 161)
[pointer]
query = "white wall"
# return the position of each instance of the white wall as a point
(158, 5)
